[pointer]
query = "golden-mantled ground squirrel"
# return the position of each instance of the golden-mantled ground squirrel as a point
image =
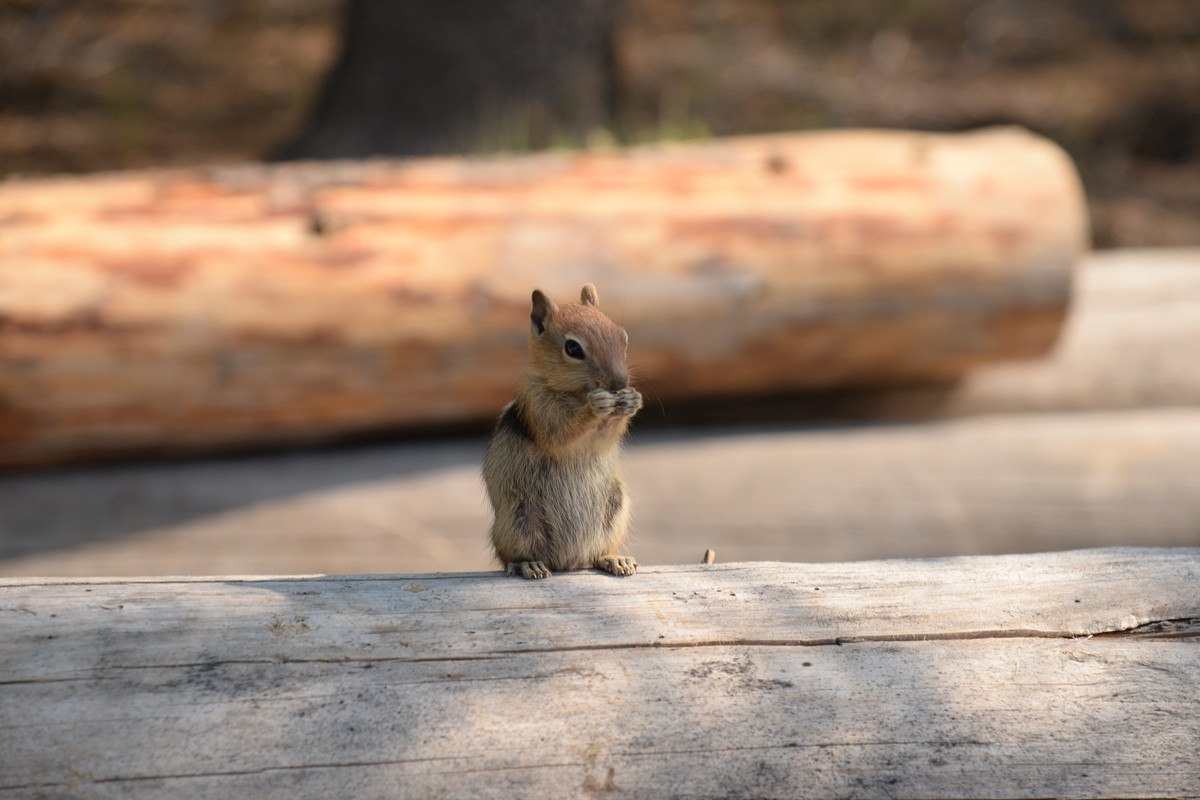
(552, 469)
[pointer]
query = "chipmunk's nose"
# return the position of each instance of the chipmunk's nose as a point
(618, 381)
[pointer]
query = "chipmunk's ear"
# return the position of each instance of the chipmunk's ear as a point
(589, 296)
(542, 308)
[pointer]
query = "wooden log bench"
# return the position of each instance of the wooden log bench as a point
(1073, 674)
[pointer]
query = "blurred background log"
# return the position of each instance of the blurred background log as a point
(197, 309)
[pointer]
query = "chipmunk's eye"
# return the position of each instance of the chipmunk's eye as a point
(573, 349)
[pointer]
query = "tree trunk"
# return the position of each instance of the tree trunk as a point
(167, 311)
(444, 76)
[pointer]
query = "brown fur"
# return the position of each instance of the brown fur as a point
(551, 469)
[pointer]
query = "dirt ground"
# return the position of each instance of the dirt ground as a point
(91, 85)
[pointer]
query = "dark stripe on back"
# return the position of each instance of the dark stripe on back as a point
(513, 420)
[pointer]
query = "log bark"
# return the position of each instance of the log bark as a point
(167, 311)
(1013, 676)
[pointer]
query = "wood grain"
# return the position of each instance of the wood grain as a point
(1069, 674)
(199, 309)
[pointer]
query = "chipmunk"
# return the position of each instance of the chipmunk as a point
(551, 467)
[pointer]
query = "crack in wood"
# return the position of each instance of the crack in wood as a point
(838, 641)
(938, 743)
(544, 765)
(1184, 628)
(295, 767)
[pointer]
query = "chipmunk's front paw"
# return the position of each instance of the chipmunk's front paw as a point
(617, 565)
(602, 401)
(532, 570)
(628, 401)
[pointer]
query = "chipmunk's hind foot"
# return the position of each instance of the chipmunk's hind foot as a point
(531, 570)
(617, 565)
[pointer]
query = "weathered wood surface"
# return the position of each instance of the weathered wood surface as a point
(1070, 675)
(1020, 483)
(179, 310)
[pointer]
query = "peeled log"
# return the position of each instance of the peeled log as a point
(195, 309)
